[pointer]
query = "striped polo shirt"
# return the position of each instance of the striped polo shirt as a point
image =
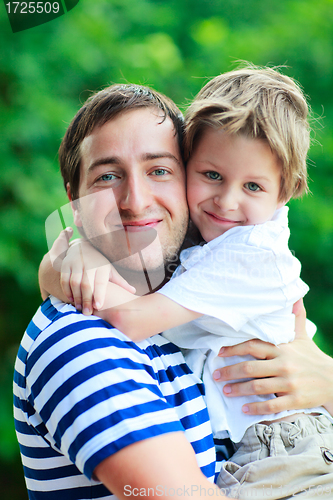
(83, 391)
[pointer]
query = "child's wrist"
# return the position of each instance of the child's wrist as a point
(77, 241)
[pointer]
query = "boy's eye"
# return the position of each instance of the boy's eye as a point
(214, 176)
(252, 186)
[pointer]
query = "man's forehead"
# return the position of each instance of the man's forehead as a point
(144, 131)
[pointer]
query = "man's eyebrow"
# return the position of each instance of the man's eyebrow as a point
(162, 154)
(109, 160)
(115, 160)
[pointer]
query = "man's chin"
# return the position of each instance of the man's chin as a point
(144, 276)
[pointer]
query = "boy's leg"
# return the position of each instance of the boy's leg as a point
(281, 461)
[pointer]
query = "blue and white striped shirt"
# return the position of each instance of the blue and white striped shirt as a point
(83, 391)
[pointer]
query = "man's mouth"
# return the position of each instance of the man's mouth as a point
(141, 225)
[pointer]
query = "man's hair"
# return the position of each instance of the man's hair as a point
(258, 103)
(103, 107)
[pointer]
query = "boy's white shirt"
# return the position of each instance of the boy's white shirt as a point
(245, 283)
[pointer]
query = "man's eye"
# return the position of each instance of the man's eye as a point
(214, 176)
(107, 177)
(159, 171)
(252, 186)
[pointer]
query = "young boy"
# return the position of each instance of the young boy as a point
(246, 142)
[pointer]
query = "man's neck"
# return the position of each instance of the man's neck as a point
(144, 281)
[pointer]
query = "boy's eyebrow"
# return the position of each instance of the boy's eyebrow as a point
(253, 177)
(260, 178)
(116, 160)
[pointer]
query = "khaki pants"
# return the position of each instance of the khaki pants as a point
(281, 461)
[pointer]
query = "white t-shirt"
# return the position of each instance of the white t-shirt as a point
(245, 283)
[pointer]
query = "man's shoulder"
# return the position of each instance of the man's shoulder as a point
(58, 331)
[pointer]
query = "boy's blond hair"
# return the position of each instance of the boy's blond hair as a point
(259, 103)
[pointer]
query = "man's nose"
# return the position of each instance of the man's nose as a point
(136, 194)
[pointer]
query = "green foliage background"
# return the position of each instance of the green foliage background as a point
(174, 46)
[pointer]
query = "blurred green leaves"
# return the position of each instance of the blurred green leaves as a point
(174, 46)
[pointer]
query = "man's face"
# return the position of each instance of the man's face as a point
(133, 169)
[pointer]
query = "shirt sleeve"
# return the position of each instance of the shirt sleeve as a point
(238, 281)
(94, 392)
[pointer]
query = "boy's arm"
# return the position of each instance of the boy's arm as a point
(141, 317)
(48, 273)
(49, 280)
(84, 274)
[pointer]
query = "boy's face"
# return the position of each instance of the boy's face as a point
(232, 180)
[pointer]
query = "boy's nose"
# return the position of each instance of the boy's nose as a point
(227, 201)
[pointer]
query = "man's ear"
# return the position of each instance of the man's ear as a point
(74, 205)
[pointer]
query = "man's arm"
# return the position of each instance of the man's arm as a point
(299, 373)
(161, 466)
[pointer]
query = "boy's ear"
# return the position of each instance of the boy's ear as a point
(74, 205)
(282, 203)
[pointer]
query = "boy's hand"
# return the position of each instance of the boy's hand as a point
(59, 248)
(85, 273)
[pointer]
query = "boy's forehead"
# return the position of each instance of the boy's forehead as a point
(236, 153)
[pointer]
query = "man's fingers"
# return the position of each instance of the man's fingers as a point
(269, 407)
(247, 369)
(256, 348)
(256, 387)
(300, 319)
(115, 278)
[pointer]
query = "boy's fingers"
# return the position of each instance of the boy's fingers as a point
(87, 292)
(64, 283)
(65, 280)
(100, 286)
(115, 278)
(75, 284)
(60, 247)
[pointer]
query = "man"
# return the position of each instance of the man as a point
(95, 412)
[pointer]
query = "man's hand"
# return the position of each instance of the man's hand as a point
(299, 373)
